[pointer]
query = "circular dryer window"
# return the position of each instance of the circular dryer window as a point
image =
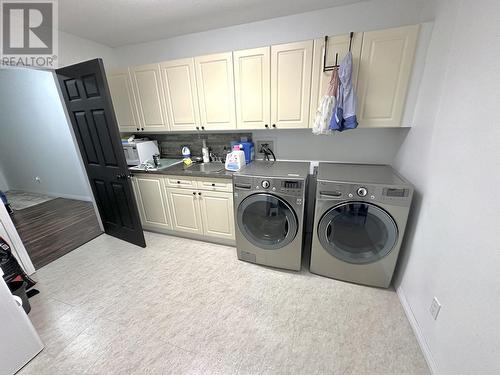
(357, 232)
(267, 221)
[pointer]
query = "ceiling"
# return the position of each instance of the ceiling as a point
(120, 22)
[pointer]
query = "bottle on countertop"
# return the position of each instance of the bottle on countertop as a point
(205, 153)
(186, 154)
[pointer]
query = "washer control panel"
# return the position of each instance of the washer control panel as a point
(265, 184)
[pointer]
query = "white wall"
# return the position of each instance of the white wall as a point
(372, 146)
(370, 15)
(35, 139)
(73, 49)
(452, 155)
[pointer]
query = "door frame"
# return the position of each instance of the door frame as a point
(15, 242)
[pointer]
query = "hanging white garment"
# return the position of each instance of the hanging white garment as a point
(324, 114)
(326, 106)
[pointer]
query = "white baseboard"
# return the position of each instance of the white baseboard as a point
(416, 330)
(69, 196)
(58, 195)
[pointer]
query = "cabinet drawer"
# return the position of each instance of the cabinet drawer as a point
(215, 184)
(181, 182)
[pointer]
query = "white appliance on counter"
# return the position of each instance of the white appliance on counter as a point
(19, 342)
(138, 151)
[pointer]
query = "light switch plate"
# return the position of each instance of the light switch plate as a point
(435, 308)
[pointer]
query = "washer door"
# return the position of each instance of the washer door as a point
(357, 232)
(267, 221)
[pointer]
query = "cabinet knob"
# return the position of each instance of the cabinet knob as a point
(264, 125)
(199, 193)
(178, 182)
(138, 129)
(202, 128)
(194, 192)
(142, 128)
(197, 128)
(213, 185)
(274, 125)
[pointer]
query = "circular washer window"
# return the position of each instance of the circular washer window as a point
(357, 232)
(267, 221)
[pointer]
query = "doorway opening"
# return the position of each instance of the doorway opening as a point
(44, 185)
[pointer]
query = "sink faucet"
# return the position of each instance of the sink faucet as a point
(215, 157)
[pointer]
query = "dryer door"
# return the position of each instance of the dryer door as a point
(267, 221)
(357, 232)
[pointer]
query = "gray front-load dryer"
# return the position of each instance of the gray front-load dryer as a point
(269, 213)
(359, 222)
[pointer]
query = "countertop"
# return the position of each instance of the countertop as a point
(181, 170)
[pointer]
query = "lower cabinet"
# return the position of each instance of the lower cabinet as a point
(215, 207)
(152, 202)
(186, 216)
(202, 207)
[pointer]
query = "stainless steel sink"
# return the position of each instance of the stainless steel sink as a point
(214, 167)
(149, 166)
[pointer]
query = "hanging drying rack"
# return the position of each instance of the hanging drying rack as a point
(331, 67)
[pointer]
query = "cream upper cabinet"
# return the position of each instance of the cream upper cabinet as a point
(252, 80)
(185, 210)
(384, 72)
(149, 94)
(291, 66)
(217, 214)
(320, 80)
(122, 95)
(215, 84)
(179, 85)
(152, 202)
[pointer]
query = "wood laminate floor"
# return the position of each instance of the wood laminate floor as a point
(52, 229)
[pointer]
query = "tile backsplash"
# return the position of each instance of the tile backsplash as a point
(171, 144)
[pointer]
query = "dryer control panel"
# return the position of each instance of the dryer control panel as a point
(397, 195)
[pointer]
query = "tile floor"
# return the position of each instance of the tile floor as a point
(188, 307)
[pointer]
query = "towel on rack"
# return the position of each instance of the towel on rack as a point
(344, 116)
(324, 112)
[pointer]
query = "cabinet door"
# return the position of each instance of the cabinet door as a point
(149, 95)
(320, 80)
(185, 210)
(152, 202)
(122, 96)
(291, 84)
(179, 85)
(217, 213)
(252, 81)
(215, 84)
(384, 72)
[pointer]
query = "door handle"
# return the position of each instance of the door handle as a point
(330, 194)
(243, 186)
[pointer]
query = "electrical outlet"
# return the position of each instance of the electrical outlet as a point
(258, 146)
(435, 308)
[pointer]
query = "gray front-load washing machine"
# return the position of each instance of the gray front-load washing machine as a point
(269, 212)
(359, 222)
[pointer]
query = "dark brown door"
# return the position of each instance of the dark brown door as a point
(88, 101)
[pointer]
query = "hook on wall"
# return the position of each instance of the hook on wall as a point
(327, 68)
